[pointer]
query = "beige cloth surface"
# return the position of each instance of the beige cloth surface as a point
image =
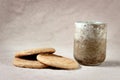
(26, 24)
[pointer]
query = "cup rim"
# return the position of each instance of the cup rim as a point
(89, 22)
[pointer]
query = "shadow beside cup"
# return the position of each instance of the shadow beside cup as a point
(111, 63)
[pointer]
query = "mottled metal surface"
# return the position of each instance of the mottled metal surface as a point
(90, 43)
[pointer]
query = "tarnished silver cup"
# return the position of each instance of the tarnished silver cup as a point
(90, 42)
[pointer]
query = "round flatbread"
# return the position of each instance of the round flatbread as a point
(24, 63)
(57, 61)
(34, 51)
